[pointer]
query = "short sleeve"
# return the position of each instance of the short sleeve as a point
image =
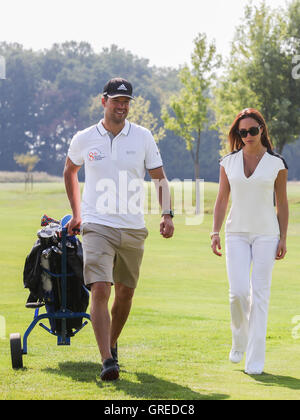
(224, 162)
(153, 159)
(74, 153)
(282, 164)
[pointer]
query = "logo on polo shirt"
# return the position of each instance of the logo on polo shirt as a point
(95, 155)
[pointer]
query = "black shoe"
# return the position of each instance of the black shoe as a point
(114, 353)
(110, 370)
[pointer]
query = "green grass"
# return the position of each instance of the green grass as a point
(177, 339)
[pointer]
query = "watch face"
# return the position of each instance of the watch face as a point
(170, 212)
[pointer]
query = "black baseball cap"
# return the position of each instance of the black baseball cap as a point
(118, 87)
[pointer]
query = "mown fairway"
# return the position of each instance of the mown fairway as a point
(177, 340)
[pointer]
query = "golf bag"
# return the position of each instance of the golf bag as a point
(42, 275)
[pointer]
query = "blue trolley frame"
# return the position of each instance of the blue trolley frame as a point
(63, 314)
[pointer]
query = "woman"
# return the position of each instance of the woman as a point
(256, 233)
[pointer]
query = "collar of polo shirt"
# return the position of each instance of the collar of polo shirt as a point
(103, 131)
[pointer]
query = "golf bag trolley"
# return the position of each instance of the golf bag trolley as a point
(53, 273)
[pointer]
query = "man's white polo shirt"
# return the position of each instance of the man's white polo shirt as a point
(114, 173)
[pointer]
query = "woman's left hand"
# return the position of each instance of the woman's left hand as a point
(281, 250)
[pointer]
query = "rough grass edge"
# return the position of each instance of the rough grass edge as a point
(6, 176)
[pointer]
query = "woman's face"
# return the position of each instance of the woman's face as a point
(254, 137)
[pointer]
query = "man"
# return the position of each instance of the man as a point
(116, 154)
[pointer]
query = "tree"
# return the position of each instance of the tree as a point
(259, 74)
(46, 96)
(17, 98)
(294, 21)
(188, 115)
(140, 114)
(27, 161)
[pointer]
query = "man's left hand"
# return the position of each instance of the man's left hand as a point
(166, 226)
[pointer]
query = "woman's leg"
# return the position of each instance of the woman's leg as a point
(264, 253)
(238, 260)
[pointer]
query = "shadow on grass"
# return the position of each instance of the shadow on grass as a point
(143, 386)
(268, 379)
(151, 387)
(78, 371)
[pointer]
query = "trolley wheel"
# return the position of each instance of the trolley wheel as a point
(16, 351)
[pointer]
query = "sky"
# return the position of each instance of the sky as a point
(159, 30)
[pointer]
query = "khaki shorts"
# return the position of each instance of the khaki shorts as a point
(112, 255)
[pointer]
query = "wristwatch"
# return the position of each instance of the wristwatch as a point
(168, 213)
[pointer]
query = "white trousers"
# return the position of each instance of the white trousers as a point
(250, 293)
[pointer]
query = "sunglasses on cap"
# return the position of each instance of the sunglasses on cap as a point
(253, 131)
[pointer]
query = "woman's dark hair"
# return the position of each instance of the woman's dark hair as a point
(235, 141)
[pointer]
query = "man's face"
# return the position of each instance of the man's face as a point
(116, 109)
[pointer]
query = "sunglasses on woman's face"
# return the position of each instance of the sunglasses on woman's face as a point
(253, 131)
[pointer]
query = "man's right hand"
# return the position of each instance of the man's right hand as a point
(74, 226)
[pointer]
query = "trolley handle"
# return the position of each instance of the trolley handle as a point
(64, 269)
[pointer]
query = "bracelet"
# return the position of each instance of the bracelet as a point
(214, 234)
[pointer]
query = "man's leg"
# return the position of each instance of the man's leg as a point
(126, 273)
(100, 317)
(120, 310)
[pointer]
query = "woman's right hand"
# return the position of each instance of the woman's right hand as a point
(216, 245)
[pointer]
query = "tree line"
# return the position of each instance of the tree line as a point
(49, 95)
